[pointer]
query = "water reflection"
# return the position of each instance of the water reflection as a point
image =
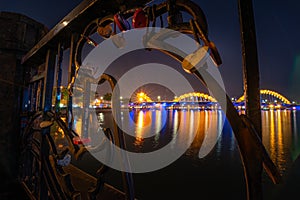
(141, 123)
(175, 126)
(202, 129)
(295, 136)
(276, 130)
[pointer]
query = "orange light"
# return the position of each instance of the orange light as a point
(143, 97)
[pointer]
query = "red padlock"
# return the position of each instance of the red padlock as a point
(77, 140)
(139, 19)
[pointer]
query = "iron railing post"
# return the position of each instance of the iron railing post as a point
(251, 93)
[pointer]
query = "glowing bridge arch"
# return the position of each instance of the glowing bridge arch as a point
(199, 95)
(269, 93)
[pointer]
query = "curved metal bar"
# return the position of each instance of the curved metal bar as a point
(187, 6)
(250, 146)
(58, 177)
(80, 43)
(199, 19)
(120, 141)
(100, 172)
(59, 187)
(198, 25)
(127, 177)
(240, 128)
(247, 138)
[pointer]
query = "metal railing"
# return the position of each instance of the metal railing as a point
(43, 176)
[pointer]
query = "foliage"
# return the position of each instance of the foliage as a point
(107, 96)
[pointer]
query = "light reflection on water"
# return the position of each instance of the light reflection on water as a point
(189, 173)
(279, 130)
(278, 136)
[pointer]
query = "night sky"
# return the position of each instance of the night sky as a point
(277, 29)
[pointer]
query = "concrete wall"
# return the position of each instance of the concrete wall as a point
(18, 34)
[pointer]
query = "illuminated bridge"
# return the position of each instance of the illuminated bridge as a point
(269, 96)
(197, 100)
(195, 97)
(192, 100)
(269, 100)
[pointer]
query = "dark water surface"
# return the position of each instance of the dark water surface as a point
(216, 173)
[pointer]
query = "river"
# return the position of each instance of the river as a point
(207, 170)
